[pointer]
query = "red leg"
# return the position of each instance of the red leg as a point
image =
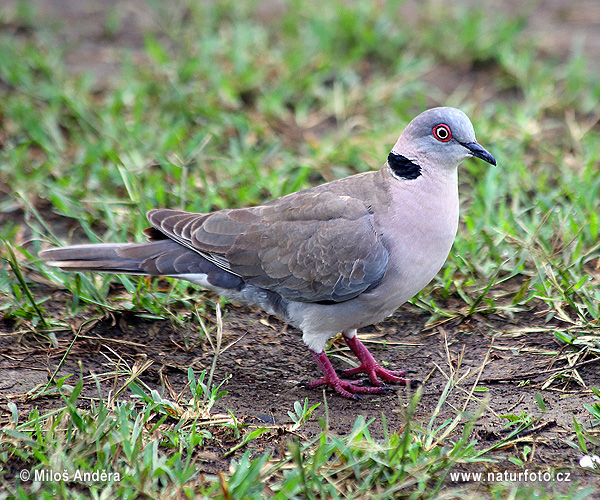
(346, 388)
(369, 366)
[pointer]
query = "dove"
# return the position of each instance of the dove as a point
(329, 259)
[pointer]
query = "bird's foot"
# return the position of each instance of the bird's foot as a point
(350, 389)
(378, 373)
(373, 369)
(347, 388)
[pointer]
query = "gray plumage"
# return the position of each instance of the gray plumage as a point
(331, 258)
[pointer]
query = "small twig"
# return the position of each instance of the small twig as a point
(485, 360)
(216, 350)
(114, 341)
(517, 435)
(527, 375)
(60, 363)
(136, 372)
(538, 428)
(508, 410)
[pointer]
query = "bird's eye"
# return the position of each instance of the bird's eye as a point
(442, 132)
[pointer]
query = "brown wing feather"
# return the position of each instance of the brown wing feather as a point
(307, 246)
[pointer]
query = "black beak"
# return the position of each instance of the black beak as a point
(479, 152)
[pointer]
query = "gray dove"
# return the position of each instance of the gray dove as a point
(332, 258)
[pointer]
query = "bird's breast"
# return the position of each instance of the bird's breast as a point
(418, 231)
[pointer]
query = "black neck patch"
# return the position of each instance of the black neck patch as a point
(403, 167)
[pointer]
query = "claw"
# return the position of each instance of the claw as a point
(414, 384)
(373, 369)
(377, 375)
(346, 388)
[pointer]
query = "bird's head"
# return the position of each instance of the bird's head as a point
(440, 138)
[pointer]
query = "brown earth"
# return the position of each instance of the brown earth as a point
(267, 360)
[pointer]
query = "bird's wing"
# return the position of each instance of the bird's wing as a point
(308, 246)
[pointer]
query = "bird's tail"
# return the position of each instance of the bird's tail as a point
(126, 258)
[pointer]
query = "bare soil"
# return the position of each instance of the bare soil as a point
(266, 361)
(514, 357)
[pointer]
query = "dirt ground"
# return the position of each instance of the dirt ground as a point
(268, 360)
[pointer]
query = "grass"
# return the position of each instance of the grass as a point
(222, 108)
(115, 438)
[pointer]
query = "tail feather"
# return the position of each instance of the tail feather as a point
(155, 258)
(102, 257)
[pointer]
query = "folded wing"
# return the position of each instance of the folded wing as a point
(309, 247)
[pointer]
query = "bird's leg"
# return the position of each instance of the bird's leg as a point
(368, 364)
(346, 388)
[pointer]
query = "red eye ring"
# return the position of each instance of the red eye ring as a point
(442, 132)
